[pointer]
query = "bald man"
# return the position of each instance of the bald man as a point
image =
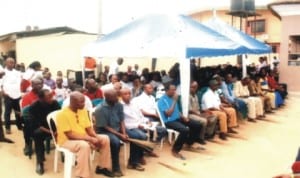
(110, 121)
(75, 132)
(11, 82)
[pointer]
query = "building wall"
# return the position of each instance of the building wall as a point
(57, 52)
(271, 35)
(289, 74)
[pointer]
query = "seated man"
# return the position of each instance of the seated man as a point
(146, 103)
(38, 112)
(135, 125)
(75, 132)
(254, 88)
(255, 105)
(211, 103)
(93, 92)
(188, 129)
(208, 121)
(27, 100)
(110, 121)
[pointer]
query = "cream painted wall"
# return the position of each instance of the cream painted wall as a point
(289, 74)
(57, 52)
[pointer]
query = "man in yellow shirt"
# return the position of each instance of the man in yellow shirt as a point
(75, 132)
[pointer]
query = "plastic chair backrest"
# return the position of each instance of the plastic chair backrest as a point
(159, 115)
(51, 120)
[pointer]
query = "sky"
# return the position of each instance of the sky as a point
(87, 15)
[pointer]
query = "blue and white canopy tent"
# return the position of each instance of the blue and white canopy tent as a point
(254, 46)
(176, 36)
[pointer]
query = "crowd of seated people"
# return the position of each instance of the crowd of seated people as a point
(125, 106)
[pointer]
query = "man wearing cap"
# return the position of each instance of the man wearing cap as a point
(211, 103)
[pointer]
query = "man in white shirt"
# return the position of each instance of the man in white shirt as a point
(146, 103)
(136, 126)
(12, 94)
(254, 104)
(114, 67)
(211, 103)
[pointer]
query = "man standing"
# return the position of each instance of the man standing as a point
(75, 132)
(12, 94)
(188, 129)
(40, 130)
(114, 67)
(110, 121)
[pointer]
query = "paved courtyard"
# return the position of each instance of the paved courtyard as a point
(260, 150)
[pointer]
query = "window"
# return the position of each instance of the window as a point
(257, 26)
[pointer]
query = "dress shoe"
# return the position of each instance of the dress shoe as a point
(222, 136)
(137, 167)
(118, 173)
(40, 168)
(201, 141)
(230, 130)
(104, 171)
(142, 161)
(178, 155)
(251, 120)
(8, 131)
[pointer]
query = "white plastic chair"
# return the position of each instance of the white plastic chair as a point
(69, 157)
(171, 132)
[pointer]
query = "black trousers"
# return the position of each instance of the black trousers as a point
(39, 137)
(12, 104)
(189, 132)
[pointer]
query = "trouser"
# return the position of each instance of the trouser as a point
(39, 137)
(267, 103)
(223, 118)
(136, 152)
(115, 145)
(255, 106)
(82, 150)
(188, 132)
(271, 95)
(1, 126)
(10, 104)
(208, 124)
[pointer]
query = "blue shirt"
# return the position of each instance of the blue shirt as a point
(164, 104)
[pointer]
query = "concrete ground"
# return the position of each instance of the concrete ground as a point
(260, 150)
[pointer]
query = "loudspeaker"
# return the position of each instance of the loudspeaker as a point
(242, 5)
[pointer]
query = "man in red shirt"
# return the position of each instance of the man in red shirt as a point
(27, 100)
(93, 92)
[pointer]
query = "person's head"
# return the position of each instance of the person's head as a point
(118, 87)
(193, 87)
(125, 95)
(120, 61)
(218, 78)
(47, 75)
(245, 80)
(114, 78)
(163, 73)
(136, 67)
(91, 85)
(102, 77)
(77, 101)
(111, 97)
(59, 73)
(59, 82)
(37, 84)
(148, 89)
(46, 69)
(213, 85)
(45, 96)
(36, 65)
(170, 90)
(129, 68)
(136, 81)
(125, 77)
(106, 69)
(228, 78)
(10, 63)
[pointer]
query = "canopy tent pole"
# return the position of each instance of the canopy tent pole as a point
(185, 84)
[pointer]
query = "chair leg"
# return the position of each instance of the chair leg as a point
(55, 160)
(68, 165)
